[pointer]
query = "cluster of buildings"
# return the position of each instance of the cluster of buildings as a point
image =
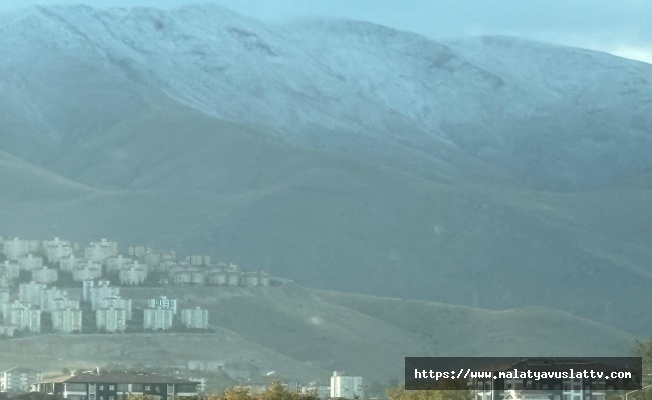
(46, 261)
(102, 384)
(112, 313)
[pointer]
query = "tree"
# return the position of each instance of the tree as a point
(443, 389)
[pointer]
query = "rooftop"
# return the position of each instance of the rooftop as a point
(116, 377)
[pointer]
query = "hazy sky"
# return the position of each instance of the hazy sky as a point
(622, 27)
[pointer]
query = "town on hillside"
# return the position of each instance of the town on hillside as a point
(34, 275)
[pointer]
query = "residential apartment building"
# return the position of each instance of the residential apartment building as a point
(163, 302)
(45, 275)
(93, 292)
(138, 251)
(69, 263)
(87, 271)
(346, 387)
(53, 298)
(194, 318)
(57, 249)
(25, 317)
(133, 274)
(16, 248)
(158, 318)
(10, 270)
(115, 264)
(115, 302)
(100, 251)
(18, 380)
(31, 293)
(29, 262)
(112, 385)
(111, 319)
(67, 320)
(516, 388)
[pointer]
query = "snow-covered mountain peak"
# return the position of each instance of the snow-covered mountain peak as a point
(345, 85)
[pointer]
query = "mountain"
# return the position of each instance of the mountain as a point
(393, 97)
(339, 154)
(306, 334)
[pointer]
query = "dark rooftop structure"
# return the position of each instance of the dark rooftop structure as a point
(110, 385)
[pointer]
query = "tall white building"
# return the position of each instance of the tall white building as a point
(25, 317)
(158, 318)
(67, 320)
(57, 249)
(51, 299)
(133, 274)
(29, 262)
(111, 319)
(10, 270)
(45, 275)
(100, 251)
(115, 264)
(102, 290)
(194, 318)
(115, 302)
(347, 387)
(87, 271)
(69, 262)
(18, 380)
(31, 293)
(15, 248)
(163, 302)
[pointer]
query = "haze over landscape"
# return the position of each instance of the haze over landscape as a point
(480, 195)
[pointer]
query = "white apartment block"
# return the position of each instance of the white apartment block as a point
(51, 299)
(133, 275)
(18, 380)
(163, 302)
(198, 260)
(57, 249)
(25, 317)
(194, 318)
(45, 275)
(115, 302)
(69, 263)
(29, 262)
(31, 293)
(5, 305)
(89, 271)
(111, 319)
(154, 258)
(100, 251)
(15, 248)
(115, 264)
(346, 387)
(180, 277)
(158, 318)
(10, 270)
(217, 277)
(67, 320)
(138, 251)
(93, 292)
